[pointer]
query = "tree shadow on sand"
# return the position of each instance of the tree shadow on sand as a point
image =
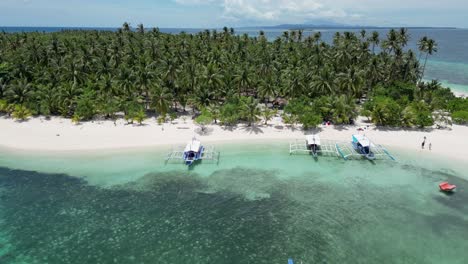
(204, 131)
(253, 130)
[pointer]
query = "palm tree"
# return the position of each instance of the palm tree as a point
(162, 98)
(20, 91)
(268, 114)
(422, 46)
(317, 36)
(363, 33)
(323, 83)
(374, 39)
(267, 89)
(430, 48)
(403, 36)
(243, 80)
(144, 81)
(140, 116)
(126, 27)
(351, 82)
(250, 110)
(141, 29)
(392, 42)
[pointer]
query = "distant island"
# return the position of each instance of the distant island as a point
(333, 26)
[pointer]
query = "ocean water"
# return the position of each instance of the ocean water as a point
(449, 64)
(258, 204)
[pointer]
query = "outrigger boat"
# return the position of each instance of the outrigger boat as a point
(363, 146)
(313, 144)
(193, 151)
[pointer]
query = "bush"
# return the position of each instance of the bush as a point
(310, 120)
(229, 114)
(460, 117)
(139, 116)
(384, 111)
(85, 108)
(21, 113)
(203, 120)
(458, 104)
(396, 91)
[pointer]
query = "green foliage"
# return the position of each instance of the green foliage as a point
(21, 113)
(161, 119)
(229, 113)
(3, 106)
(290, 119)
(268, 114)
(109, 108)
(215, 112)
(86, 73)
(249, 109)
(139, 116)
(418, 114)
(4, 69)
(204, 119)
(76, 119)
(384, 111)
(85, 107)
(310, 120)
(367, 113)
(396, 91)
(458, 104)
(172, 116)
(422, 116)
(460, 117)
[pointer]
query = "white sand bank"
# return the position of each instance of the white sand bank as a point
(58, 134)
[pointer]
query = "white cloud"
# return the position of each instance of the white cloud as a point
(363, 12)
(195, 2)
(290, 11)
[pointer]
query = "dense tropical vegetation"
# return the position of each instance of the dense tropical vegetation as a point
(222, 76)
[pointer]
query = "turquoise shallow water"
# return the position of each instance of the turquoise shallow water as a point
(257, 205)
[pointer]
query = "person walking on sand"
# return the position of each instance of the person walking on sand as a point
(430, 145)
(423, 143)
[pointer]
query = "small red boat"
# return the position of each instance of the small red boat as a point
(447, 187)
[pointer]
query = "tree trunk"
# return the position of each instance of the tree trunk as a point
(424, 67)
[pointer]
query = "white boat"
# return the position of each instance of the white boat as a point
(363, 146)
(193, 151)
(313, 144)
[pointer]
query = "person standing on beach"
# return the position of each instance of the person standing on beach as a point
(430, 145)
(423, 143)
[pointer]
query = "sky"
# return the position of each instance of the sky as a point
(232, 13)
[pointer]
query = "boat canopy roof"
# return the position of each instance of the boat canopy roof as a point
(313, 139)
(361, 139)
(193, 145)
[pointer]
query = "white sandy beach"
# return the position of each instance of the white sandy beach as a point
(59, 134)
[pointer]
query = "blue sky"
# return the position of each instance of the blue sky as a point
(217, 13)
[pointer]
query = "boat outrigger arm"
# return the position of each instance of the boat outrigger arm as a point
(193, 152)
(359, 147)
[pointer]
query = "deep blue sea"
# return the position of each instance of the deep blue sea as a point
(449, 65)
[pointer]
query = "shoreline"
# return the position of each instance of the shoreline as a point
(59, 135)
